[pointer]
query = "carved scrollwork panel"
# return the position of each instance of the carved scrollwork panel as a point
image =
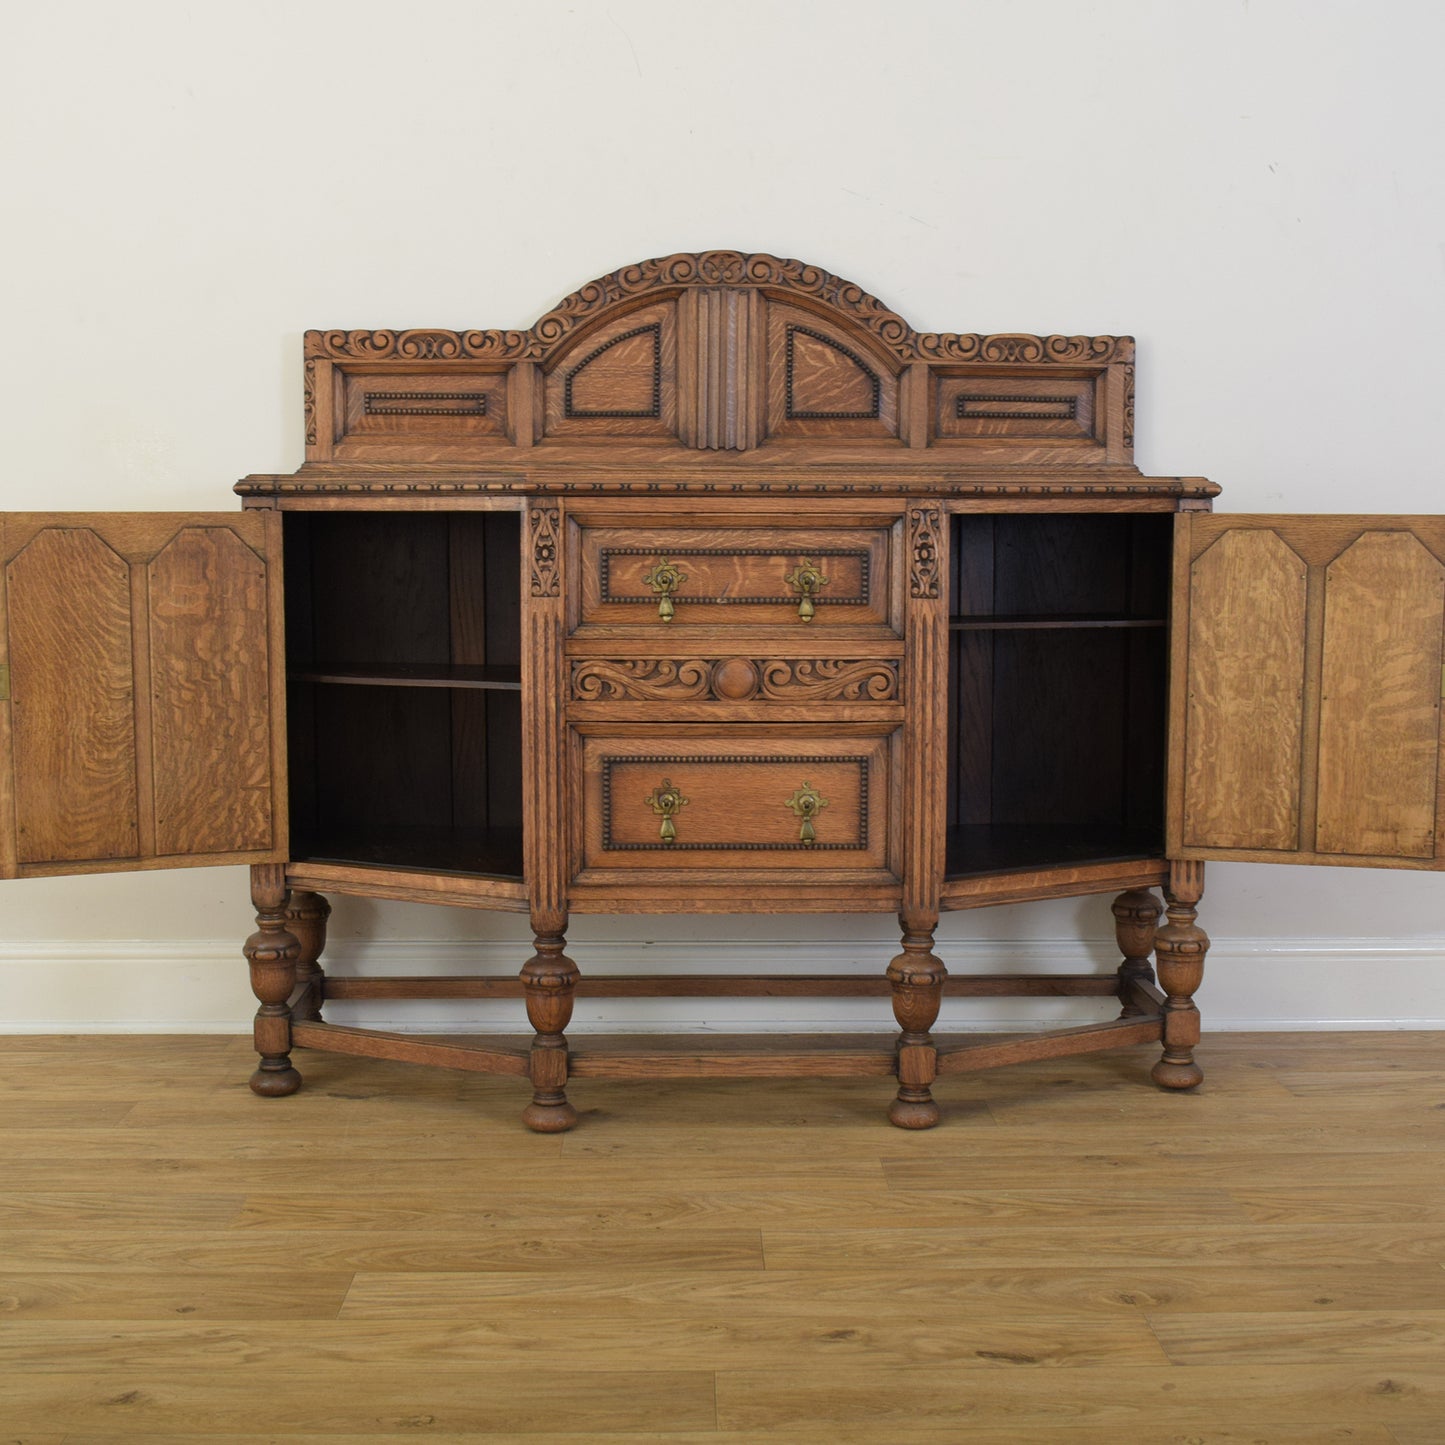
(924, 525)
(546, 574)
(704, 679)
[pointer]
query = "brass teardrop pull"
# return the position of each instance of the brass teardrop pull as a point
(807, 580)
(806, 803)
(665, 800)
(664, 579)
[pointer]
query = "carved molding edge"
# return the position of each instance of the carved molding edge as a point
(716, 268)
(311, 484)
(546, 578)
(923, 526)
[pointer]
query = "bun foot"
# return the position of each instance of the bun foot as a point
(1169, 1074)
(549, 1118)
(275, 1083)
(914, 1113)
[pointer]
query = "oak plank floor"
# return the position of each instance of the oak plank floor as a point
(1074, 1258)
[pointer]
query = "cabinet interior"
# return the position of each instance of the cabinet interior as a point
(403, 641)
(1058, 654)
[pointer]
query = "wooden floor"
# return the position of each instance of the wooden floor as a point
(1073, 1259)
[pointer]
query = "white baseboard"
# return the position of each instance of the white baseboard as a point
(199, 986)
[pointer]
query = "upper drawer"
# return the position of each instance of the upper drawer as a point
(773, 576)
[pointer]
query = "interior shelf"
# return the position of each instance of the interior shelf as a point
(405, 687)
(493, 851)
(1058, 661)
(501, 679)
(1046, 623)
(979, 848)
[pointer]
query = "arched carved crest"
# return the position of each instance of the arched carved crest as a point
(849, 302)
(714, 351)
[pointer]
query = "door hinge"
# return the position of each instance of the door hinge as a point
(5, 681)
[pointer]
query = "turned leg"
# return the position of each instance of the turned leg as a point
(1136, 915)
(917, 976)
(549, 981)
(1180, 947)
(306, 916)
(272, 952)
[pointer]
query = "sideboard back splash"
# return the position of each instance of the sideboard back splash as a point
(718, 355)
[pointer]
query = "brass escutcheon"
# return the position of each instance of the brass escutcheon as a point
(806, 803)
(806, 580)
(665, 800)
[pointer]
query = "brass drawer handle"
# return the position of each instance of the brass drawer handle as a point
(806, 580)
(664, 579)
(806, 803)
(665, 800)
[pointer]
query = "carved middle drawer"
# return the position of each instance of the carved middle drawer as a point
(773, 576)
(737, 798)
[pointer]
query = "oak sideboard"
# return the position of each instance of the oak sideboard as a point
(720, 590)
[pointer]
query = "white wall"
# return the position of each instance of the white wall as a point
(1254, 190)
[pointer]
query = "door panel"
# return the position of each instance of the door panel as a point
(1305, 715)
(1380, 698)
(73, 683)
(145, 720)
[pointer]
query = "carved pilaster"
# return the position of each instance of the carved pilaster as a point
(924, 526)
(546, 528)
(724, 326)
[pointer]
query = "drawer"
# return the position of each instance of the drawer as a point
(773, 576)
(736, 798)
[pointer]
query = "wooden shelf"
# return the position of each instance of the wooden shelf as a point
(1047, 623)
(501, 679)
(495, 852)
(1004, 848)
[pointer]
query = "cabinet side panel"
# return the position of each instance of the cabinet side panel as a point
(1380, 698)
(73, 692)
(1245, 683)
(210, 689)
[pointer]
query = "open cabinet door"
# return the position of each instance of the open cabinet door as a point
(1305, 690)
(143, 724)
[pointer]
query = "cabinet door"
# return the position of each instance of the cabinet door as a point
(143, 724)
(1305, 693)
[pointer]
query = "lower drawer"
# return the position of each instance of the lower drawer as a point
(737, 799)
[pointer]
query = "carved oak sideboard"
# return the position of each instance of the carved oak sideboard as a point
(720, 590)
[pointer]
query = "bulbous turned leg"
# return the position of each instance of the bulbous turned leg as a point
(917, 976)
(1180, 946)
(306, 915)
(272, 952)
(549, 981)
(1136, 916)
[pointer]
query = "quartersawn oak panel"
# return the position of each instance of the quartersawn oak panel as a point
(146, 709)
(73, 706)
(1380, 698)
(1365, 728)
(1246, 621)
(210, 719)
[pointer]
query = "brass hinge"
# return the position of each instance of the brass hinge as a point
(4, 682)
